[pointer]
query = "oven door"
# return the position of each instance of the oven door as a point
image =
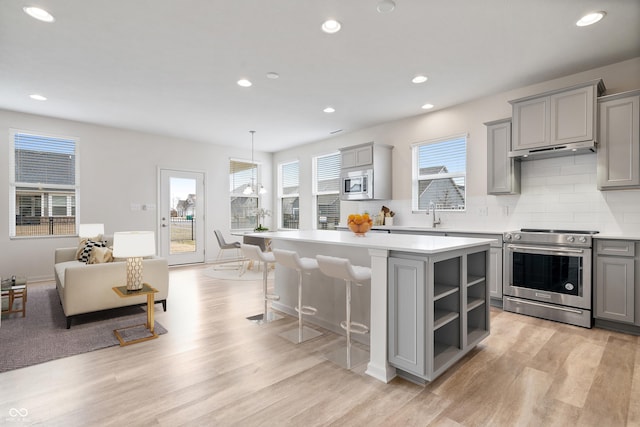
(555, 275)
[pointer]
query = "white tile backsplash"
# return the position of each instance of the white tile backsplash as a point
(555, 193)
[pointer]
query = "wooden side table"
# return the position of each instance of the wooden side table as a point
(13, 292)
(148, 291)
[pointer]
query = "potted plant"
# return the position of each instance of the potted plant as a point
(261, 214)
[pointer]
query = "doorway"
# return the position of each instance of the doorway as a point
(181, 210)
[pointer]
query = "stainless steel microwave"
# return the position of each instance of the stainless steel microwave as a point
(356, 185)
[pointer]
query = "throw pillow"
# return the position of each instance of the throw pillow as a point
(86, 253)
(82, 242)
(100, 255)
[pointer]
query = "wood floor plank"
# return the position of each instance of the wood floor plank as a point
(215, 368)
(608, 400)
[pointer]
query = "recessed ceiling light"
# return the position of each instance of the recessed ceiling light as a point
(272, 75)
(38, 97)
(244, 83)
(386, 6)
(427, 106)
(331, 26)
(329, 110)
(590, 18)
(419, 79)
(39, 14)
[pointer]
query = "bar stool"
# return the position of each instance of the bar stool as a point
(291, 260)
(341, 268)
(254, 253)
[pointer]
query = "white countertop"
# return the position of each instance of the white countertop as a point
(397, 242)
(419, 229)
(617, 236)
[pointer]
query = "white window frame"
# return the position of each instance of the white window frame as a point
(415, 177)
(316, 192)
(282, 196)
(13, 185)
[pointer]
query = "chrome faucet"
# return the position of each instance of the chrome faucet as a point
(432, 209)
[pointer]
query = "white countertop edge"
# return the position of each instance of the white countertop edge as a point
(393, 242)
(617, 236)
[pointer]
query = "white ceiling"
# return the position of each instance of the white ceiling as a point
(170, 66)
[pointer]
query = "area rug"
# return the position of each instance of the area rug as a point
(229, 274)
(42, 335)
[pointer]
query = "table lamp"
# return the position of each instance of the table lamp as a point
(133, 245)
(91, 230)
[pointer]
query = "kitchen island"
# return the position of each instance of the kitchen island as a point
(427, 304)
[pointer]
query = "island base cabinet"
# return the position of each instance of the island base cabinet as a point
(406, 314)
(438, 310)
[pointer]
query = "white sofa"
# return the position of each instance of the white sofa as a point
(85, 288)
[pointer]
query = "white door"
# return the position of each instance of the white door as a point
(181, 210)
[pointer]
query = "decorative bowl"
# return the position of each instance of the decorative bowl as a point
(359, 224)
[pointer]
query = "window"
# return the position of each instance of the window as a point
(244, 204)
(42, 184)
(326, 188)
(439, 174)
(288, 193)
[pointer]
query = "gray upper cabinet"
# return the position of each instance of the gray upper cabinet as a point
(503, 172)
(555, 118)
(361, 155)
(619, 150)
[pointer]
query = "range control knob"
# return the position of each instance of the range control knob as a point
(570, 239)
(517, 237)
(583, 239)
(507, 236)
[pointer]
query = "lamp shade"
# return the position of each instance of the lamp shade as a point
(134, 244)
(90, 230)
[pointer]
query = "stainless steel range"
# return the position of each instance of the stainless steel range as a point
(548, 274)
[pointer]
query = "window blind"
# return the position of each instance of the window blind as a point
(328, 174)
(290, 179)
(44, 160)
(241, 174)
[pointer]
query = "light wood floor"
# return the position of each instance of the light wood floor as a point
(216, 368)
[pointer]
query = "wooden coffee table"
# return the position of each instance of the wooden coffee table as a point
(148, 291)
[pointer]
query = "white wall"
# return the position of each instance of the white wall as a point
(117, 168)
(555, 193)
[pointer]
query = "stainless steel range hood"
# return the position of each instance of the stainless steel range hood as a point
(583, 147)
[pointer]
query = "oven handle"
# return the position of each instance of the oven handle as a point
(537, 304)
(546, 249)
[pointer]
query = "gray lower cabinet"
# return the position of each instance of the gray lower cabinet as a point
(615, 281)
(619, 150)
(495, 272)
(503, 172)
(438, 310)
